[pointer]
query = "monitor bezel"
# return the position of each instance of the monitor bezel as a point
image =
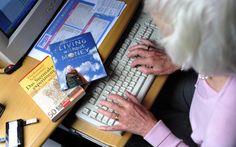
(14, 47)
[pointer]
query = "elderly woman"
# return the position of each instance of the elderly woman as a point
(201, 35)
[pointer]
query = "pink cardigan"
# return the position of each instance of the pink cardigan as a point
(212, 118)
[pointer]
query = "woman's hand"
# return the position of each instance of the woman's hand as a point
(132, 116)
(150, 60)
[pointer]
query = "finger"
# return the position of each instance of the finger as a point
(107, 113)
(111, 105)
(157, 70)
(131, 97)
(110, 128)
(118, 99)
(146, 53)
(138, 46)
(142, 62)
(138, 52)
(148, 70)
(147, 42)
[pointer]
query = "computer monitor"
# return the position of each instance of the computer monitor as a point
(21, 22)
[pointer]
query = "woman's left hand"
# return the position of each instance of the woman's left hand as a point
(151, 60)
(132, 116)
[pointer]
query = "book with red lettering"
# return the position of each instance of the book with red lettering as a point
(77, 61)
(42, 85)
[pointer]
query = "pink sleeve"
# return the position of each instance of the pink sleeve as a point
(161, 136)
(222, 125)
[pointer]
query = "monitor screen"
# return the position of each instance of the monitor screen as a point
(10, 19)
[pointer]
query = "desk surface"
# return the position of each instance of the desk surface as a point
(19, 105)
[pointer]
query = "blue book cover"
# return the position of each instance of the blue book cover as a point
(77, 61)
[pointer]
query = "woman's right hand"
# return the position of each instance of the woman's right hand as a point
(151, 60)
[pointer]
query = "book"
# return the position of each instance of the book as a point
(77, 61)
(42, 85)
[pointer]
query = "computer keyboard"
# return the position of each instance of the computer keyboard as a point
(121, 76)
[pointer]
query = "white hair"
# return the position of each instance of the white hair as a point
(203, 36)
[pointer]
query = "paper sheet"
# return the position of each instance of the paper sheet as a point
(109, 7)
(76, 17)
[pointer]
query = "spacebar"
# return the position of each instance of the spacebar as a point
(138, 85)
(142, 86)
(145, 87)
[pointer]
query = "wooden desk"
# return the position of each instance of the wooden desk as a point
(19, 105)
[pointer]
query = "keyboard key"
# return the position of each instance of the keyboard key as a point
(125, 84)
(116, 123)
(103, 97)
(111, 122)
(116, 88)
(129, 88)
(112, 83)
(120, 93)
(119, 83)
(93, 114)
(109, 88)
(114, 92)
(98, 89)
(101, 85)
(124, 72)
(95, 95)
(128, 41)
(122, 89)
(128, 79)
(105, 119)
(135, 78)
(122, 78)
(99, 117)
(138, 85)
(86, 111)
(106, 93)
(92, 101)
(132, 84)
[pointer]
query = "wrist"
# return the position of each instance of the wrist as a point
(150, 125)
